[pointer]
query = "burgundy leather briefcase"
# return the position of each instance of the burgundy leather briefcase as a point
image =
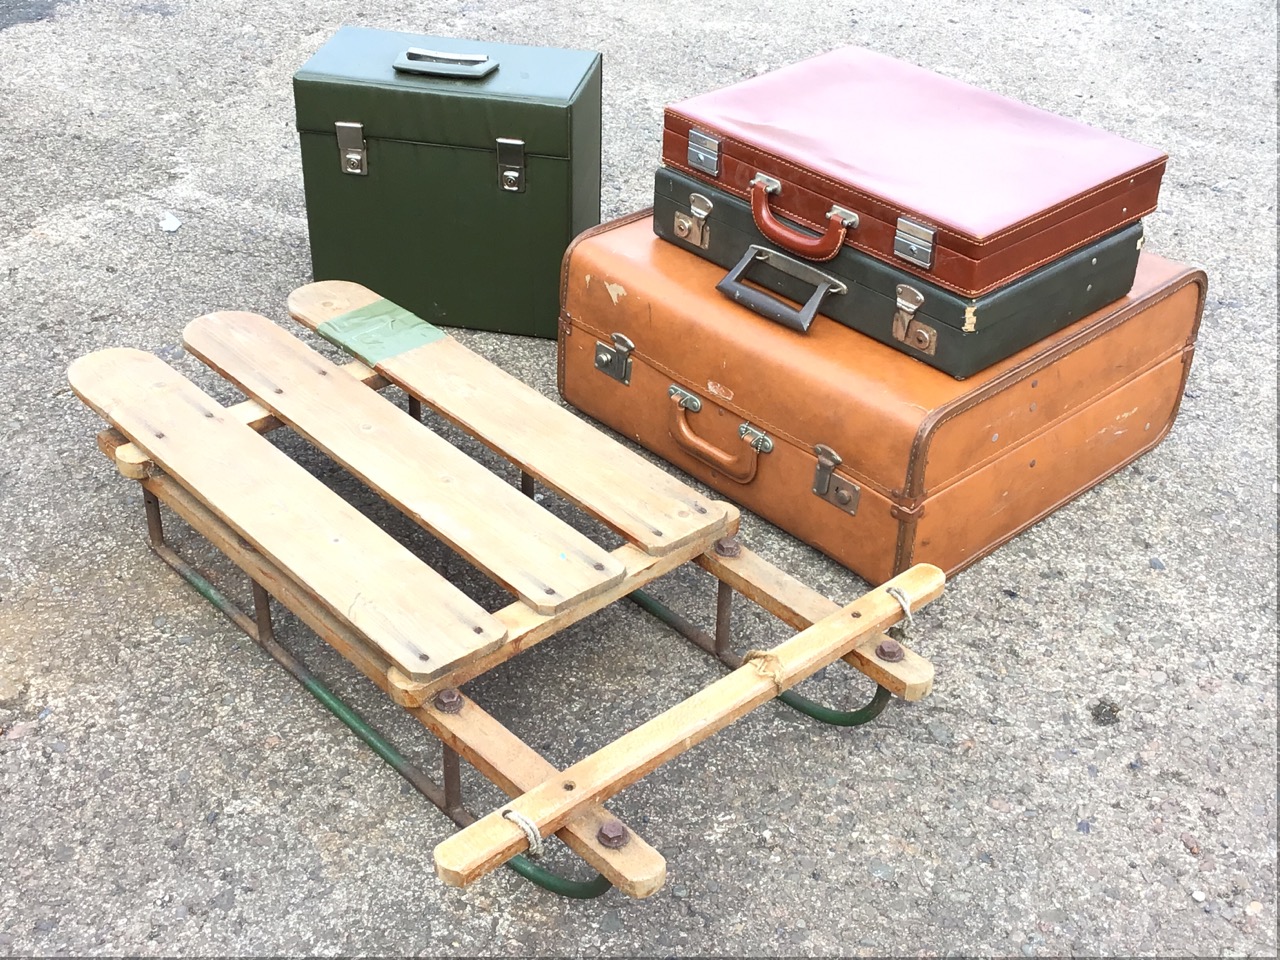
(965, 188)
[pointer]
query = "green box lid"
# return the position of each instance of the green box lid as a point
(527, 97)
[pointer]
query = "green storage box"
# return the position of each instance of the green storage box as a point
(449, 175)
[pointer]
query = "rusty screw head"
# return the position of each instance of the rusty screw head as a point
(728, 547)
(613, 834)
(889, 650)
(448, 700)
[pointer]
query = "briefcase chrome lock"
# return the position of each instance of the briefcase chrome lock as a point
(693, 226)
(913, 242)
(832, 488)
(352, 154)
(510, 165)
(906, 328)
(615, 360)
(704, 153)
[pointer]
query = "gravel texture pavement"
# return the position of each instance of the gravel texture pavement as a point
(1095, 772)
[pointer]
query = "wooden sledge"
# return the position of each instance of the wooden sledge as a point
(413, 633)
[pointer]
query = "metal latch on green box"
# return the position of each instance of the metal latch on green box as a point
(510, 164)
(352, 154)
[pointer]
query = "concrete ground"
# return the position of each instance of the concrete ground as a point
(167, 790)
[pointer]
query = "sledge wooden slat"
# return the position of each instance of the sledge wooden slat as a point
(535, 555)
(624, 491)
(526, 628)
(134, 464)
(800, 606)
(295, 596)
(493, 839)
(421, 622)
(636, 869)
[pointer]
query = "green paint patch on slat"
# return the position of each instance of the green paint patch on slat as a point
(377, 331)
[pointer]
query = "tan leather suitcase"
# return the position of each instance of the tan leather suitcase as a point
(847, 444)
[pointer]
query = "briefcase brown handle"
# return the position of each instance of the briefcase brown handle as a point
(740, 467)
(839, 222)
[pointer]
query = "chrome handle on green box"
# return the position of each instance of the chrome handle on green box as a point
(437, 63)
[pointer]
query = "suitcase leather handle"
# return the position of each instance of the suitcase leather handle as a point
(437, 63)
(740, 467)
(774, 308)
(839, 223)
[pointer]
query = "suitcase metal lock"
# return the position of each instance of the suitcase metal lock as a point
(704, 153)
(693, 226)
(832, 488)
(352, 155)
(906, 328)
(615, 361)
(913, 242)
(510, 164)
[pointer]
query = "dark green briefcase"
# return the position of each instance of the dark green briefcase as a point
(449, 175)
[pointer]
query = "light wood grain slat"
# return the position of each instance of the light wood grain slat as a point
(535, 555)
(493, 839)
(134, 464)
(637, 869)
(526, 627)
(623, 490)
(304, 604)
(423, 623)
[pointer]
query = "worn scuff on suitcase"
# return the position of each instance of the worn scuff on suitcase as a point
(958, 334)
(849, 445)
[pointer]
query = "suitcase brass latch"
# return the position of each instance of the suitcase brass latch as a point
(351, 150)
(830, 487)
(906, 328)
(693, 226)
(615, 361)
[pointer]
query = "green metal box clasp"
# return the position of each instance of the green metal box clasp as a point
(449, 175)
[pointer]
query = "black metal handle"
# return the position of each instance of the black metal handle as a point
(438, 63)
(775, 308)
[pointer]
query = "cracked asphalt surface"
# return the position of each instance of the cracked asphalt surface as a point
(1095, 772)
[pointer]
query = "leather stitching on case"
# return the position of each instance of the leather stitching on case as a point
(923, 274)
(831, 256)
(1063, 415)
(925, 435)
(754, 419)
(988, 549)
(867, 196)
